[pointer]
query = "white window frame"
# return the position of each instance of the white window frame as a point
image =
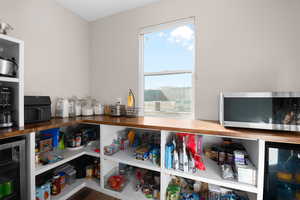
(142, 74)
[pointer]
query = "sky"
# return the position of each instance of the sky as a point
(170, 49)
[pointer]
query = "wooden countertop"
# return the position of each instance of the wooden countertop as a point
(192, 126)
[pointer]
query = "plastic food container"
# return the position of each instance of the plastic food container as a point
(70, 176)
(114, 181)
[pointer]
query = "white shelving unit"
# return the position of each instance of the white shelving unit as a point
(211, 175)
(14, 48)
(68, 155)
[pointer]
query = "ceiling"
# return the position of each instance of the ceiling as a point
(91, 10)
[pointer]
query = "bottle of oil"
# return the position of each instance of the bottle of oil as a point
(131, 99)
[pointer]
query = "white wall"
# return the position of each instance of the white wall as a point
(57, 47)
(243, 45)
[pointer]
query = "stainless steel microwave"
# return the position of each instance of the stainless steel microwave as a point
(261, 110)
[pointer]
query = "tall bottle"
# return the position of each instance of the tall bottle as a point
(131, 99)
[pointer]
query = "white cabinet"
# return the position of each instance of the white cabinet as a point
(211, 175)
(14, 48)
(68, 155)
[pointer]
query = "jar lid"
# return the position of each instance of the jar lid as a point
(56, 176)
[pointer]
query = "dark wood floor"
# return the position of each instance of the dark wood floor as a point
(88, 194)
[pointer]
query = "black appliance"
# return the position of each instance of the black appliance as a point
(282, 171)
(6, 107)
(12, 169)
(37, 109)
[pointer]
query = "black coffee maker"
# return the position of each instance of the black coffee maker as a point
(6, 108)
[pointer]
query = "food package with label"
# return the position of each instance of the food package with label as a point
(43, 192)
(239, 157)
(227, 172)
(246, 173)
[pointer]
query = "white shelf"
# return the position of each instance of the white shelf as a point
(68, 155)
(9, 79)
(93, 184)
(8, 40)
(70, 190)
(126, 157)
(212, 175)
(90, 151)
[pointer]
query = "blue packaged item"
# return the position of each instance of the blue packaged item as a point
(43, 192)
(169, 155)
(229, 197)
(136, 142)
(54, 133)
(189, 196)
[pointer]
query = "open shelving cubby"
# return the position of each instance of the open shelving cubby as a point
(212, 174)
(108, 133)
(69, 156)
(129, 192)
(14, 48)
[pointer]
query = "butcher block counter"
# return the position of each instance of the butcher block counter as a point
(155, 123)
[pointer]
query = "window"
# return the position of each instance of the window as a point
(166, 70)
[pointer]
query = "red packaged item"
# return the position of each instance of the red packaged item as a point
(116, 182)
(199, 164)
(191, 145)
